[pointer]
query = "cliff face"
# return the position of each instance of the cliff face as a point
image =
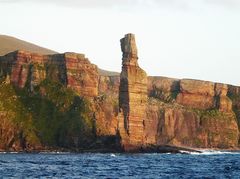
(181, 126)
(42, 100)
(16, 128)
(66, 102)
(70, 69)
(234, 95)
(204, 95)
(168, 120)
(107, 105)
(61, 101)
(190, 113)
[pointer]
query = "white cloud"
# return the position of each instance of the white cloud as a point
(131, 3)
(80, 3)
(229, 3)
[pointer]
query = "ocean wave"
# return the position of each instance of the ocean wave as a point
(54, 152)
(211, 152)
(9, 152)
(113, 155)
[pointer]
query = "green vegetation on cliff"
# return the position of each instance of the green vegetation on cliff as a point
(163, 95)
(235, 97)
(52, 115)
(16, 121)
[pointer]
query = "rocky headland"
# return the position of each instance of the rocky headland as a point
(61, 102)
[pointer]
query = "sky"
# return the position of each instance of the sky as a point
(197, 39)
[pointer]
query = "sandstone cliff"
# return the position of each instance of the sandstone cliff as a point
(190, 113)
(61, 98)
(204, 95)
(50, 101)
(52, 95)
(70, 69)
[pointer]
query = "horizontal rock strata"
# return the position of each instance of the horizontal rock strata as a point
(70, 69)
(132, 96)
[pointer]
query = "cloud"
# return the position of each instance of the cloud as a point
(199, 3)
(133, 3)
(80, 3)
(230, 3)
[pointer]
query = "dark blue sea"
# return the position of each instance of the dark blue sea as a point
(210, 164)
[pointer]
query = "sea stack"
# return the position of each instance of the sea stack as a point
(132, 97)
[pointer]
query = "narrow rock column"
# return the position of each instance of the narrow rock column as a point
(132, 96)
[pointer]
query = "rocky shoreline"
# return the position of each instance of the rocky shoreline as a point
(149, 149)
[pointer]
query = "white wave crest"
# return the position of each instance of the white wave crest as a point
(113, 155)
(211, 152)
(9, 152)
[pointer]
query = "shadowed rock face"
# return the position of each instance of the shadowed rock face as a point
(132, 96)
(107, 105)
(177, 125)
(234, 94)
